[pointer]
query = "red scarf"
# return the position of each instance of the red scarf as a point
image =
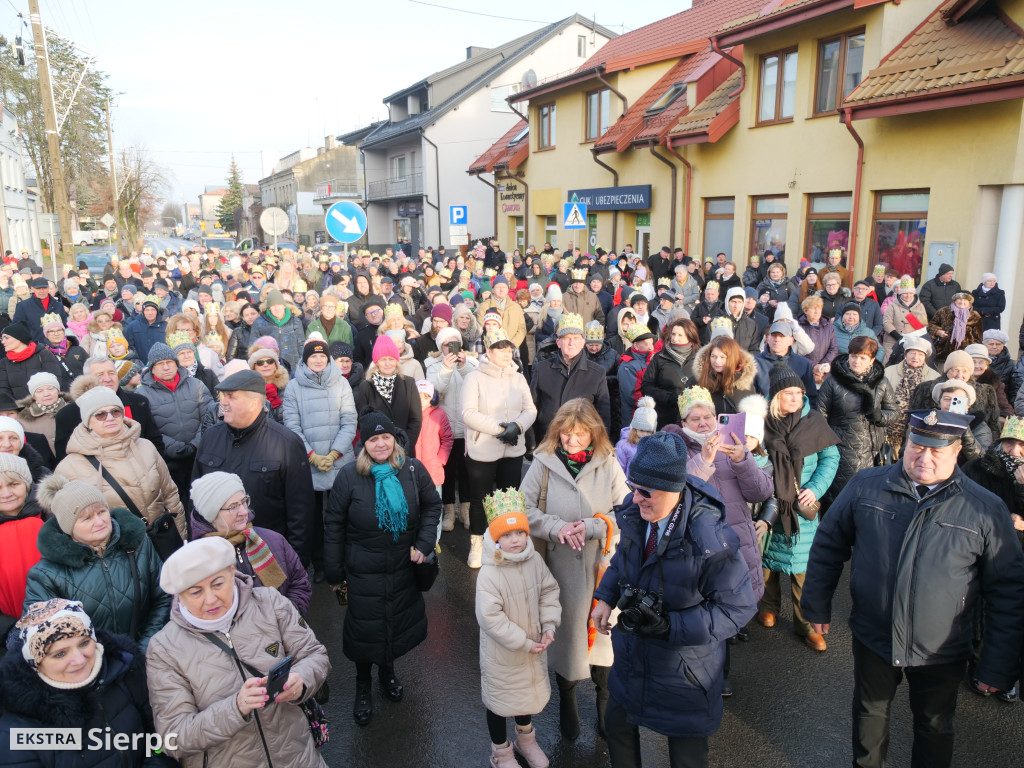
(25, 354)
(272, 396)
(45, 301)
(171, 385)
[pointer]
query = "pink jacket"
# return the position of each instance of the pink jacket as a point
(435, 442)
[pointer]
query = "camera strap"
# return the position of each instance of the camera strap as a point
(684, 503)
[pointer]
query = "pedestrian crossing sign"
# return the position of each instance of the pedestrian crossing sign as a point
(574, 215)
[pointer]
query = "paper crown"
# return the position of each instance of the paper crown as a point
(489, 272)
(299, 286)
(694, 396)
(510, 501)
(213, 308)
(567, 263)
(51, 318)
(569, 323)
(664, 281)
(464, 276)
(580, 275)
(712, 284)
(114, 334)
(392, 310)
(907, 284)
(879, 269)
(178, 339)
(493, 337)
(508, 268)
(445, 273)
(721, 326)
(593, 332)
(1013, 429)
(638, 331)
(836, 252)
(213, 337)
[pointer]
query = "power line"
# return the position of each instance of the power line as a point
(495, 16)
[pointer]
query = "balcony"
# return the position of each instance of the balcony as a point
(410, 185)
(333, 190)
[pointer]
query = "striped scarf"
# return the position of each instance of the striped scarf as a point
(264, 565)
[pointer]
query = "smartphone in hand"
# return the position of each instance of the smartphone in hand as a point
(278, 676)
(732, 424)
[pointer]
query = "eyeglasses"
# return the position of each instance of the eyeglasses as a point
(234, 509)
(112, 413)
(644, 492)
(266, 361)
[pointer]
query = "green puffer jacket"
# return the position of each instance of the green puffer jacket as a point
(104, 584)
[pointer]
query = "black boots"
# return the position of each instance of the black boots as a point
(390, 685)
(568, 710)
(362, 709)
(600, 677)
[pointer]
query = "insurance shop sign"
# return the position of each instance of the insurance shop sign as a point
(633, 198)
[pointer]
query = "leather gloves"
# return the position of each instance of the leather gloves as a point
(510, 433)
(187, 451)
(654, 624)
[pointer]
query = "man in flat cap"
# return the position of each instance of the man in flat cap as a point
(929, 548)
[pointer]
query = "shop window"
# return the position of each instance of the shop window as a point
(551, 230)
(546, 118)
(828, 225)
(599, 109)
(898, 230)
(402, 229)
(840, 70)
(719, 217)
(777, 94)
(768, 225)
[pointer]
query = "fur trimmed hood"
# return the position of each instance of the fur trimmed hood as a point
(58, 547)
(81, 385)
(747, 372)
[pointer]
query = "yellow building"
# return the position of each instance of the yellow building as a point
(891, 130)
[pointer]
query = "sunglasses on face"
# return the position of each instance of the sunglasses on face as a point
(644, 492)
(266, 361)
(111, 413)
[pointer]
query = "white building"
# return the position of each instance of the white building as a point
(416, 161)
(19, 218)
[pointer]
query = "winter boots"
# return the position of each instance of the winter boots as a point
(448, 517)
(464, 514)
(526, 745)
(476, 551)
(502, 757)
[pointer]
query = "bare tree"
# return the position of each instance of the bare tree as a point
(142, 185)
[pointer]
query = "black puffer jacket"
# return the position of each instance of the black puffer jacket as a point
(1008, 372)
(859, 412)
(832, 303)
(386, 617)
(664, 380)
(742, 384)
(405, 409)
(118, 698)
(106, 586)
(990, 305)
(14, 376)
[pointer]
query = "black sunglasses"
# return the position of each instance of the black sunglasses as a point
(642, 491)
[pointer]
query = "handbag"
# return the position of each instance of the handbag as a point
(319, 727)
(162, 532)
(807, 512)
(426, 572)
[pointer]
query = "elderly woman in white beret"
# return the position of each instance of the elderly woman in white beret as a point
(39, 410)
(208, 666)
(222, 508)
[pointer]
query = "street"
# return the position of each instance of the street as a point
(791, 707)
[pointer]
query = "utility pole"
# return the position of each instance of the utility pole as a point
(113, 181)
(60, 193)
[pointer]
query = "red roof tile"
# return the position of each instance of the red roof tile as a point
(776, 14)
(710, 119)
(941, 59)
(500, 152)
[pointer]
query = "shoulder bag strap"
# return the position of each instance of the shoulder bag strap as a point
(128, 503)
(137, 591)
(542, 502)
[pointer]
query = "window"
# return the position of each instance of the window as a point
(546, 117)
(520, 233)
(840, 69)
(398, 168)
(768, 225)
(719, 213)
(551, 230)
(499, 96)
(673, 93)
(519, 136)
(898, 231)
(599, 108)
(581, 46)
(778, 88)
(402, 229)
(828, 225)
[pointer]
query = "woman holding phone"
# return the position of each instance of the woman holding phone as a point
(727, 464)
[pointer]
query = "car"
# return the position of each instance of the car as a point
(95, 260)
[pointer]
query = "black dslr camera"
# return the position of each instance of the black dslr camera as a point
(638, 609)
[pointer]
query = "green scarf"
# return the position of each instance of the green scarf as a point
(283, 320)
(391, 506)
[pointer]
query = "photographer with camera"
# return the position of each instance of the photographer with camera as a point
(683, 590)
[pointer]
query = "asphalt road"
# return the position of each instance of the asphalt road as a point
(160, 244)
(791, 708)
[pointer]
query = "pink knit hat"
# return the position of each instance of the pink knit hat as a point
(385, 347)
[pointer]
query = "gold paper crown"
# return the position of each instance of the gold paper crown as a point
(507, 502)
(1013, 429)
(593, 332)
(493, 337)
(111, 335)
(694, 396)
(213, 308)
(214, 337)
(177, 339)
(50, 318)
(879, 269)
(392, 310)
(463, 276)
(712, 284)
(721, 324)
(907, 284)
(580, 274)
(836, 252)
(446, 273)
(567, 263)
(489, 272)
(636, 331)
(570, 323)
(300, 286)
(664, 281)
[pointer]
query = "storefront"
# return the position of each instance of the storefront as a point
(605, 203)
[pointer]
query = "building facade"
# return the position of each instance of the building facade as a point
(19, 219)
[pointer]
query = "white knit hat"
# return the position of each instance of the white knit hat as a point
(194, 562)
(11, 463)
(446, 335)
(645, 417)
(756, 408)
(42, 379)
(211, 492)
(7, 424)
(554, 292)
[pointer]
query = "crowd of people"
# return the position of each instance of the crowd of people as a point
(641, 449)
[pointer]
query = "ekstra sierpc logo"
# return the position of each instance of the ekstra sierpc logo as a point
(70, 739)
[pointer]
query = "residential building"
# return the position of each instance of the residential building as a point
(19, 222)
(415, 162)
(209, 202)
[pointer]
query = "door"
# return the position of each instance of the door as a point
(643, 242)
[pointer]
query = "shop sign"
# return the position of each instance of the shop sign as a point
(410, 208)
(636, 197)
(512, 197)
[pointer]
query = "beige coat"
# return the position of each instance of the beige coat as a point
(516, 603)
(585, 304)
(131, 460)
(193, 684)
(599, 487)
(491, 395)
(895, 319)
(33, 419)
(512, 318)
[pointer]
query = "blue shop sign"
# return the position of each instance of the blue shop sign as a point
(635, 198)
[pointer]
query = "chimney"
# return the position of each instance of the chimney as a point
(320, 151)
(329, 142)
(475, 50)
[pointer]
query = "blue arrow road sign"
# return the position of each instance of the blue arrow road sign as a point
(346, 221)
(458, 215)
(574, 215)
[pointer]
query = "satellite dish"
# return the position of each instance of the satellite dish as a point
(274, 221)
(529, 79)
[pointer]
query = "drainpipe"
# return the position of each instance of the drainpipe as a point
(689, 179)
(615, 183)
(509, 102)
(737, 62)
(613, 89)
(519, 177)
(494, 195)
(672, 219)
(844, 116)
(437, 182)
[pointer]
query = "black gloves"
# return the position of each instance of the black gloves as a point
(654, 624)
(187, 451)
(897, 336)
(875, 416)
(510, 433)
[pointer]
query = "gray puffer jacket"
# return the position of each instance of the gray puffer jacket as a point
(178, 414)
(320, 409)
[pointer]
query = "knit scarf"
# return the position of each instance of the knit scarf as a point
(680, 353)
(25, 354)
(96, 666)
(272, 395)
(385, 385)
(193, 368)
(60, 350)
(960, 317)
(788, 441)
(1011, 463)
(283, 320)
(391, 507)
(575, 462)
(264, 564)
(47, 410)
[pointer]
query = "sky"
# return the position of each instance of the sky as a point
(203, 81)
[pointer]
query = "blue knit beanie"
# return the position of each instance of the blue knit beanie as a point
(659, 462)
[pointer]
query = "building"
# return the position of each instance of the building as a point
(891, 131)
(305, 182)
(415, 162)
(19, 219)
(209, 202)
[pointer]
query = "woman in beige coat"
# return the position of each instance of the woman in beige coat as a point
(220, 714)
(107, 437)
(573, 477)
(896, 319)
(497, 409)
